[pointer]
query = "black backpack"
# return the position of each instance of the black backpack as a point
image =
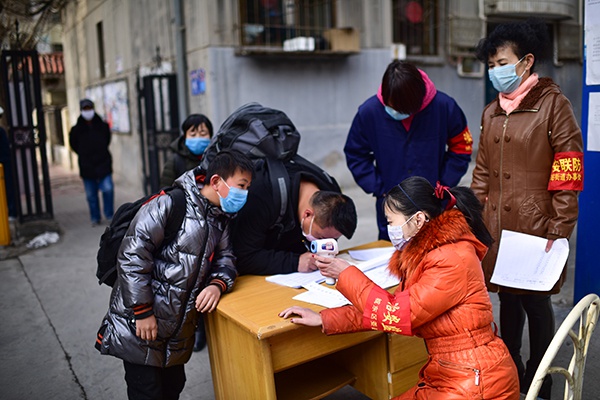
(269, 138)
(113, 235)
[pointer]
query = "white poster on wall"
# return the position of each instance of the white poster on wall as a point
(593, 128)
(592, 42)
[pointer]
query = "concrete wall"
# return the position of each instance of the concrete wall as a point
(131, 36)
(320, 94)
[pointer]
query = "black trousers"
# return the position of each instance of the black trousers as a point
(538, 308)
(154, 383)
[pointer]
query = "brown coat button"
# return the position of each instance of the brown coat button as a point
(507, 208)
(507, 175)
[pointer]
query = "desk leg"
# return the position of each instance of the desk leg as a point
(241, 364)
(367, 361)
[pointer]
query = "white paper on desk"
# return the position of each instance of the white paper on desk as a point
(296, 279)
(326, 297)
(369, 254)
(523, 262)
(322, 296)
(382, 277)
(364, 266)
(300, 279)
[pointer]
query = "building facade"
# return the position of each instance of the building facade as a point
(317, 60)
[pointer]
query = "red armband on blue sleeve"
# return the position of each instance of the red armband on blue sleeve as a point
(461, 143)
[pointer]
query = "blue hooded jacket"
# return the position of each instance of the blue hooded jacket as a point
(434, 143)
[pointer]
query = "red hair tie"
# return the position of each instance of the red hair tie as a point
(439, 193)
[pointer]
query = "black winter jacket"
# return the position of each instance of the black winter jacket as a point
(261, 248)
(180, 161)
(167, 278)
(90, 140)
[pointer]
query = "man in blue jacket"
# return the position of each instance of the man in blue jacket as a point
(408, 128)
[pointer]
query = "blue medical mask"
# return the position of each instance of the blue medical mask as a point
(235, 200)
(396, 234)
(505, 78)
(197, 145)
(395, 114)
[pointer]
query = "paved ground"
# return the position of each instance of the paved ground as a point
(52, 307)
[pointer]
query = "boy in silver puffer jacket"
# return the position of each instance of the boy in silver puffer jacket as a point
(161, 290)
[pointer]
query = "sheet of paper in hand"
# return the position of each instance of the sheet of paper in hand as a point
(523, 262)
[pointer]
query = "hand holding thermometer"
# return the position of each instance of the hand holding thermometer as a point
(325, 248)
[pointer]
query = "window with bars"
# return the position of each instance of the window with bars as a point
(269, 23)
(415, 24)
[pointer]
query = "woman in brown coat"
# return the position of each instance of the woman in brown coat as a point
(441, 298)
(528, 174)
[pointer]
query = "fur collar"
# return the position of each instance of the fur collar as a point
(530, 100)
(450, 227)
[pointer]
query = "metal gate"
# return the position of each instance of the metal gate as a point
(159, 119)
(20, 72)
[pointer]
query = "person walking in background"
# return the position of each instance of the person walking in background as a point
(528, 173)
(90, 139)
(408, 128)
(197, 130)
(162, 289)
(440, 239)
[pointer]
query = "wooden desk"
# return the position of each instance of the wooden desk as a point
(255, 354)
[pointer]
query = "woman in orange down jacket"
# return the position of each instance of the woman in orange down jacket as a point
(441, 297)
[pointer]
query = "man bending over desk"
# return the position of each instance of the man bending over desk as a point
(316, 210)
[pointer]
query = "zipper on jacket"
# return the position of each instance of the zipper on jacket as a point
(189, 293)
(453, 365)
(500, 172)
(500, 175)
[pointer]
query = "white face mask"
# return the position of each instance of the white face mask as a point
(88, 114)
(308, 235)
(396, 234)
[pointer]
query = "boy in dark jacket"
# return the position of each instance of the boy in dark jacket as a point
(197, 130)
(90, 138)
(161, 290)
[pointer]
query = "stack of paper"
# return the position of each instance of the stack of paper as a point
(322, 296)
(372, 262)
(297, 279)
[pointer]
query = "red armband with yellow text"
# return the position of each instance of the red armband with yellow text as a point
(461, 143)
(567, 171)
(386, 312)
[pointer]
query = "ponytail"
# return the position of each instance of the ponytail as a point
(467, 203)
(472, 209)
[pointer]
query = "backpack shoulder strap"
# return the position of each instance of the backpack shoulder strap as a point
(280, 183)
(177, 215)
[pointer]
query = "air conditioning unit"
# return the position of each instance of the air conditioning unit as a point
(547, 9)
